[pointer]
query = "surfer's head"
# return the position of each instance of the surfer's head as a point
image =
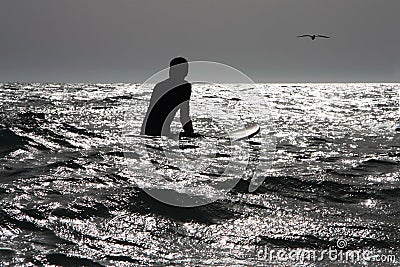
(178, 68)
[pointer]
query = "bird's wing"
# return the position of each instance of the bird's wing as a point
(305, 35)
(323, 36)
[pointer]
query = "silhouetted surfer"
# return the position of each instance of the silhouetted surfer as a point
(169, 96)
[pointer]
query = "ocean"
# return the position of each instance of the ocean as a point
(74, 187)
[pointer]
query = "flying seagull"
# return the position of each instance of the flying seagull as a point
(313, 36)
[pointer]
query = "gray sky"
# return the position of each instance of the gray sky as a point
(129, 40)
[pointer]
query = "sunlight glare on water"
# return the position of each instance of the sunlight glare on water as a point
(67, 194)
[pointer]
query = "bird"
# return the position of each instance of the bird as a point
(313, 36)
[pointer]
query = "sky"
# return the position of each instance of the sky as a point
(130, 40)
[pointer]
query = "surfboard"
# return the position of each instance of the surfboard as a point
(247, 132)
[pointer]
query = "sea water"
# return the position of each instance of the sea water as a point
(69, 195)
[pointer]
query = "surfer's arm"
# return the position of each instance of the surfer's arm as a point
(188, 127)
(185, 118)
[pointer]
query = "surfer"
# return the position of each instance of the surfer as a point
(168, 97)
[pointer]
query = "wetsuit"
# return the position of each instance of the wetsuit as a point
(168, 96)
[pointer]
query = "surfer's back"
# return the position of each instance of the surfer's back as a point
(166, 98)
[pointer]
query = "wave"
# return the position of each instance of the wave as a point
(40, 128)
(62, 260)
(317, 191)
(10, 141)
(82, 211)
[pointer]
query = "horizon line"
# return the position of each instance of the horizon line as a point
(270, 82)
